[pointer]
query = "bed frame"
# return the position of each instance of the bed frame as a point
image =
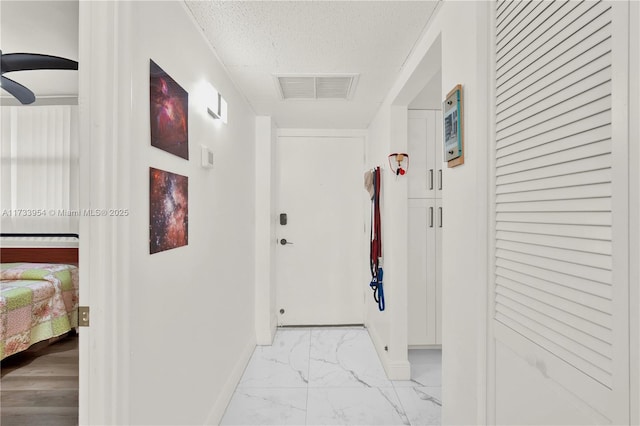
(67, 255)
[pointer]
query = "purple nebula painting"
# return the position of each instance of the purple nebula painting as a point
(168, 210)
(169, 113)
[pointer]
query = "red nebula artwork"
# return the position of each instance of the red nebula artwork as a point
(168, 210)
(169, 113)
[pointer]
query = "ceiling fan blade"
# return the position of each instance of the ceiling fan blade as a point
(21, 93)
(34, 61)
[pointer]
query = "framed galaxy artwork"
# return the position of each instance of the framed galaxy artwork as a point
(169, 113)
(168, 210)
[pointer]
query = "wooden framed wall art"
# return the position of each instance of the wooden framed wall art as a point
(453, 128)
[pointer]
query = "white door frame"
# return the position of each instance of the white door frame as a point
(266, 223)
(104, 93)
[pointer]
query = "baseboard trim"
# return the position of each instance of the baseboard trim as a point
(439, 346)
(215, 416)
(395, 370)
(399, 370)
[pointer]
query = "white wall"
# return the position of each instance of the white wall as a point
(193, 307)
(465, 198)
(634, 213)
(378, 322)
(171, 332)
(429, 98)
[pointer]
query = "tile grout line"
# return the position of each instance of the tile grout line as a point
(404, 409)
(306, 407)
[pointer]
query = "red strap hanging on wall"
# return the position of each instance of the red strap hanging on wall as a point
(375, 253)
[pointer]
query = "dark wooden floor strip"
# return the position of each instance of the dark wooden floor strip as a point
(40, 386)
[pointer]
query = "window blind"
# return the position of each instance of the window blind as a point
(39, 176)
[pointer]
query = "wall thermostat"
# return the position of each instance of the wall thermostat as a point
(207, 157)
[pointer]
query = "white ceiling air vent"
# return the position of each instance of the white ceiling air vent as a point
(325, 86)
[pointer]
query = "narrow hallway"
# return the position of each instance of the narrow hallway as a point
(333, 376)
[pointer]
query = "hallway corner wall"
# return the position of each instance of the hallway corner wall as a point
(465, 203)
(382, 325)
(188, 313)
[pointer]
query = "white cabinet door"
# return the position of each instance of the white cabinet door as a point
(437, 153)
(422, 175)
(438, 269)
(422, 272)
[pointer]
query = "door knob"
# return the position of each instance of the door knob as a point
(284, 242)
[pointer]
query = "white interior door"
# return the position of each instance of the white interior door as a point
(561, 291)
(320, 268)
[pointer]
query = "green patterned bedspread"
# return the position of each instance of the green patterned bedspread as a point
(38, 301)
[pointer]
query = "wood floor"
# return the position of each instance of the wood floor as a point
(40, 386)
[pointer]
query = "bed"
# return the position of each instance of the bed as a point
(38, 298)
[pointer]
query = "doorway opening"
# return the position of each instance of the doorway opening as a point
(422, 96)
(39, 179)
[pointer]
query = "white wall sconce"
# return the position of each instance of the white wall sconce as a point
(223, 110)
(219, 108)
(215, 110)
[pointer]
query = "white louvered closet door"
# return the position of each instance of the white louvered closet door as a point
(561, 286)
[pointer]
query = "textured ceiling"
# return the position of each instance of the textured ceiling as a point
(257, 39)
(46, 27)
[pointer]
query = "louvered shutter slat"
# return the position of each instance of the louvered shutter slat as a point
(577, 92)
(588, 327)
(587, 245)
(580, 126)
(506, 46)
(517, 20)
(580, 271)
(552, 44)
(601, 350)
(569, 218)
(581, 139)
(567, 168)
(577, 231)
(560, 157)
(577, 192)
(573, 112)
(554, 347)
(508, 11)
(581, 313)
(564, 181)
(514, 27)
(557, 254)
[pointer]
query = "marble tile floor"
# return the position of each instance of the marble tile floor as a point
(332, 376)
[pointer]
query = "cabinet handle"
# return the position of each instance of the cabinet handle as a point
(430, 217)
(430, 178)
(440, 216)
(440, 179)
